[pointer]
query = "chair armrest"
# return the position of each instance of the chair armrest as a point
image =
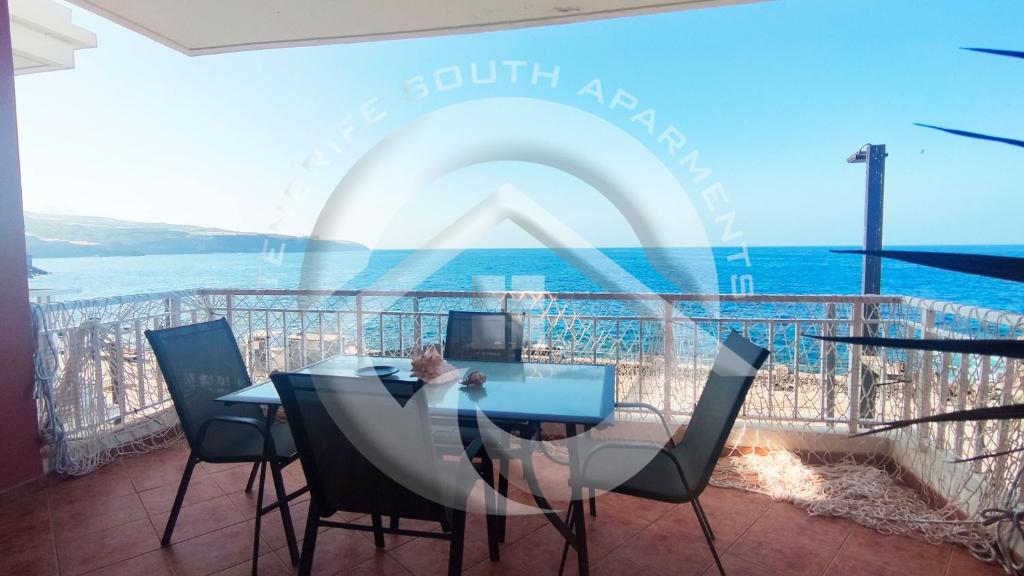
(661, 451)
(268, 438)
(650, 408)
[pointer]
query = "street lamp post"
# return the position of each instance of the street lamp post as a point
(873, 157)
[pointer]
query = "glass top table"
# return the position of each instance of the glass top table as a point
(574, 395)
(557, 393)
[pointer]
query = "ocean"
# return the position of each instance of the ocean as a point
(772, 270)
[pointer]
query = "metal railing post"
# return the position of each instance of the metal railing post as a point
(869, 326)
(924, 408)
(174, 311)
(796, 369)
(98, 379)
(828, 360)
(303, 345)
(944, 389)
(360, 344)
(140, 360)
(855, 372)
(119, 384)
(981, 401)
(963, 386)
(669, 344)
(229, 309)
(285, 347)
(771, 369)
(417, 324)
(1003, 436)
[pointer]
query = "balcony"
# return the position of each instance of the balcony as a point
(113, 410)
(797, 490)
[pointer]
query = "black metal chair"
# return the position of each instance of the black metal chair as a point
(671, 472)
(201, 362)
(358, 466)
(491, 337)
(485, 336)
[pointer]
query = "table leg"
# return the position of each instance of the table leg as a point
(578, 523)
(572, 528)
(565, 548)
(490, 509)
(544, 505)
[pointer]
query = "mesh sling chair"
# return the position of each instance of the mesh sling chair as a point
(201, 362)
(677, 473)
(486, 336)
(491, 337)
(386, 437)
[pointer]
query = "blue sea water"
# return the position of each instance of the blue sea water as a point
(774, 270)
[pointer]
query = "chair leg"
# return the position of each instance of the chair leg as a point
(565, 547)
(186, 476)
(457, 543)
(378, 530)
(259, 519)
(393, 524)
(703, 516)
(286, 516)
(252, 477)
(309, 540)
(707, 534)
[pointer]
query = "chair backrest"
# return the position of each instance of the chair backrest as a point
(201, 362)
(719, 405)
(358, 439)
(490, 336)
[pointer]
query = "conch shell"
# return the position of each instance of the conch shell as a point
(474, 379)
(432, 368)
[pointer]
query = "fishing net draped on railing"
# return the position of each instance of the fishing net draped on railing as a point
(953, 458)
(965, 494)
(100, 394)
(100, 388)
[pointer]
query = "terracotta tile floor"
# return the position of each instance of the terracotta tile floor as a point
(109, 523)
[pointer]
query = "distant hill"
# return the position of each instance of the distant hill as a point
(59, 236)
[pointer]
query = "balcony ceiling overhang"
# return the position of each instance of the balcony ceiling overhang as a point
(43, 37)
(197, 27)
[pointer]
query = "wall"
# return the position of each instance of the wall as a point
(19, 446)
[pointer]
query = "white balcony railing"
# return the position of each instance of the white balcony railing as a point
(107, 391)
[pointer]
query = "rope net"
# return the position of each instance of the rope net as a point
(98, 388)
(869, 494)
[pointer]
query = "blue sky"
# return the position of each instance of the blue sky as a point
(773, 97)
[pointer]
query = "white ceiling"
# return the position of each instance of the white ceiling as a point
(43, 37)
(212, 26)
